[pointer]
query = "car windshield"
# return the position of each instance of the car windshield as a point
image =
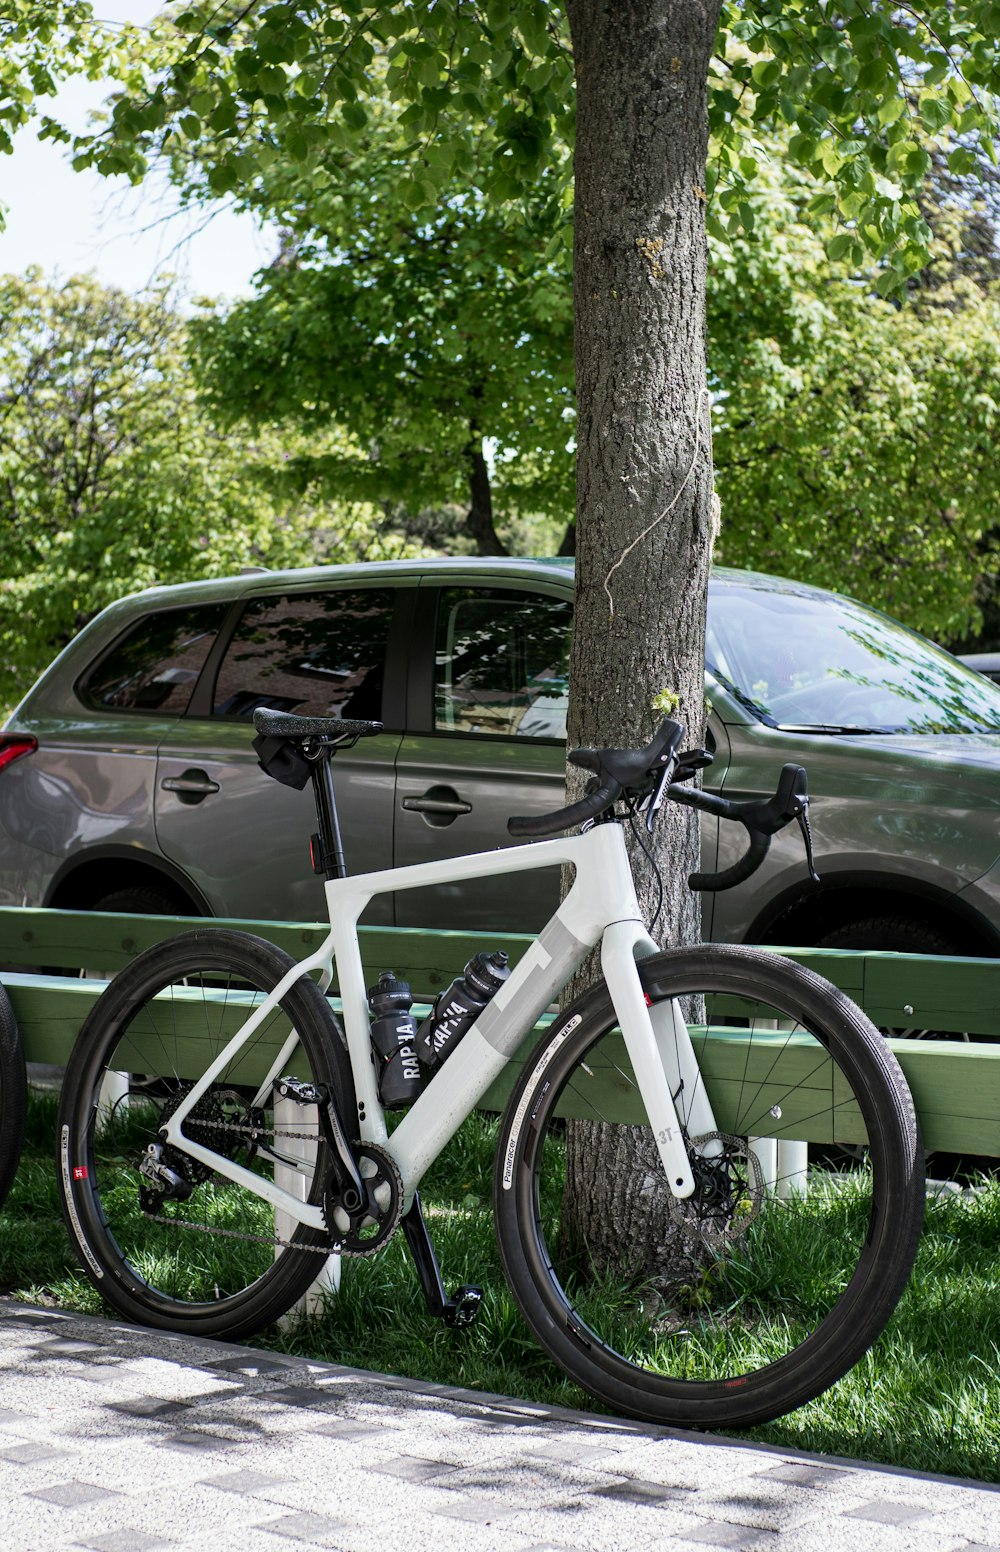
(806, 659)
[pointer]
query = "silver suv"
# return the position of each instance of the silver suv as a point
(128, 781)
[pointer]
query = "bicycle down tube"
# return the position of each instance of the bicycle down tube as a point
(601, 904)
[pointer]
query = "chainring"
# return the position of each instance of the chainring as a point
(380, 1174)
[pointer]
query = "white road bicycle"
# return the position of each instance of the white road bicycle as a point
(220, 1133)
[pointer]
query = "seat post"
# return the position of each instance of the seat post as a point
(331, 842)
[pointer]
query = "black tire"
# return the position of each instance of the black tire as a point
(746, 1305)
(890, 934)
(165, 1015)
(144, 900)
(13, 1095)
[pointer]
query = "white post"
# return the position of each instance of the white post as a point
(765, 1151)
(114, 1093)
(300, 1118)
(793, 1168)
(787, 1170)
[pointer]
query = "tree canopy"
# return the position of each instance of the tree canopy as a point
(486, 95)
(423, 334)
(854, 438)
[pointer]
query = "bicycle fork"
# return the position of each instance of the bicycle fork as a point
(662, 1056)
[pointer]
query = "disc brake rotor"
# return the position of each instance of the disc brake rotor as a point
(728, 1195)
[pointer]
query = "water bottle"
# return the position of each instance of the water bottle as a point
(393, 1036)
(459, 1005)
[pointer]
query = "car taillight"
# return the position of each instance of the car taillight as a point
(14, 745)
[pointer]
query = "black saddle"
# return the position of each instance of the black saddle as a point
(282, 724)
(280, 736)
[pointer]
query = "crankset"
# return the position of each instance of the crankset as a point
(360, 1231)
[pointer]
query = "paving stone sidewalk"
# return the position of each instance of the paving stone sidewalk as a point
(125, 1440)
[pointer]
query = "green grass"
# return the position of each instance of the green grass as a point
(927, 1396)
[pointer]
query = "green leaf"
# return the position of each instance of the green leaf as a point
(766, 72)
(892, 109)
(934, 112)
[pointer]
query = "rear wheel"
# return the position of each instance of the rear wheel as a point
(768, 1284)
(167, 1239)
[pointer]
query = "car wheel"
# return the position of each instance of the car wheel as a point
(891, 934)
(134, 900)
(143, 900)
(899, 935)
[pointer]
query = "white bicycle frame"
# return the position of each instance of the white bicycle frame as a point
(601, 906)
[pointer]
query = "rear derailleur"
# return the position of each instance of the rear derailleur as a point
(221, 1120)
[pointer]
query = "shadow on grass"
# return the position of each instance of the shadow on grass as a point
(926, 1397)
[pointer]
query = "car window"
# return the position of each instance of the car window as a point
(155, 667)
(501, 663)
(815, 660)
(317, 654)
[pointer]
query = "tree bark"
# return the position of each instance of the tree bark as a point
(644, 472)
(479, 519)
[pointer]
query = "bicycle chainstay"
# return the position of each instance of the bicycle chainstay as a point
(334, 1247)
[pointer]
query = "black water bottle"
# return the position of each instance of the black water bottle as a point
(459, 1005)
(393, 1037)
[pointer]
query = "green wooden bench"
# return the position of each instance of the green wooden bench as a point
(955, 1084)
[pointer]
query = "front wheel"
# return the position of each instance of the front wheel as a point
(771, 1281)
(169, 1240)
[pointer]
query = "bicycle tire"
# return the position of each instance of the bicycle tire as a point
(13, 1095)
(208, 1265)
(759, 1299)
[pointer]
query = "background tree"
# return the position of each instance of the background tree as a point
(855, 438)
(42, 41)
(440, 340)
(112, 477)
(491, 85)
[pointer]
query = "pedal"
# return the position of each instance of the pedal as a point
(302, 1093)
(463, 1306)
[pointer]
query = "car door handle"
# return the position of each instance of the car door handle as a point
(443, 803)
(191, 786)
(437, 806)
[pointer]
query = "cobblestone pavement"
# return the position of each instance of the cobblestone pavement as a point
(124, 1440)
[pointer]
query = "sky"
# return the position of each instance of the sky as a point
(76, 222)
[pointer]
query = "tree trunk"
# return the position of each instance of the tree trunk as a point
(644, 474)
(479, 519)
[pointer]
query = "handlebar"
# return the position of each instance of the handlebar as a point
(761, 817)
(646, 774)
(565, 818)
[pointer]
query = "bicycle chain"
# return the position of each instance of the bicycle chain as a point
(262, 1239)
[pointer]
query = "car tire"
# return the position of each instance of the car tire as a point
(134, 900)
(902, 935)
(143, 900)
(891, 934)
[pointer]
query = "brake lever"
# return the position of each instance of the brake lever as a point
(656, 801)
(669, 763)
(804, 826)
